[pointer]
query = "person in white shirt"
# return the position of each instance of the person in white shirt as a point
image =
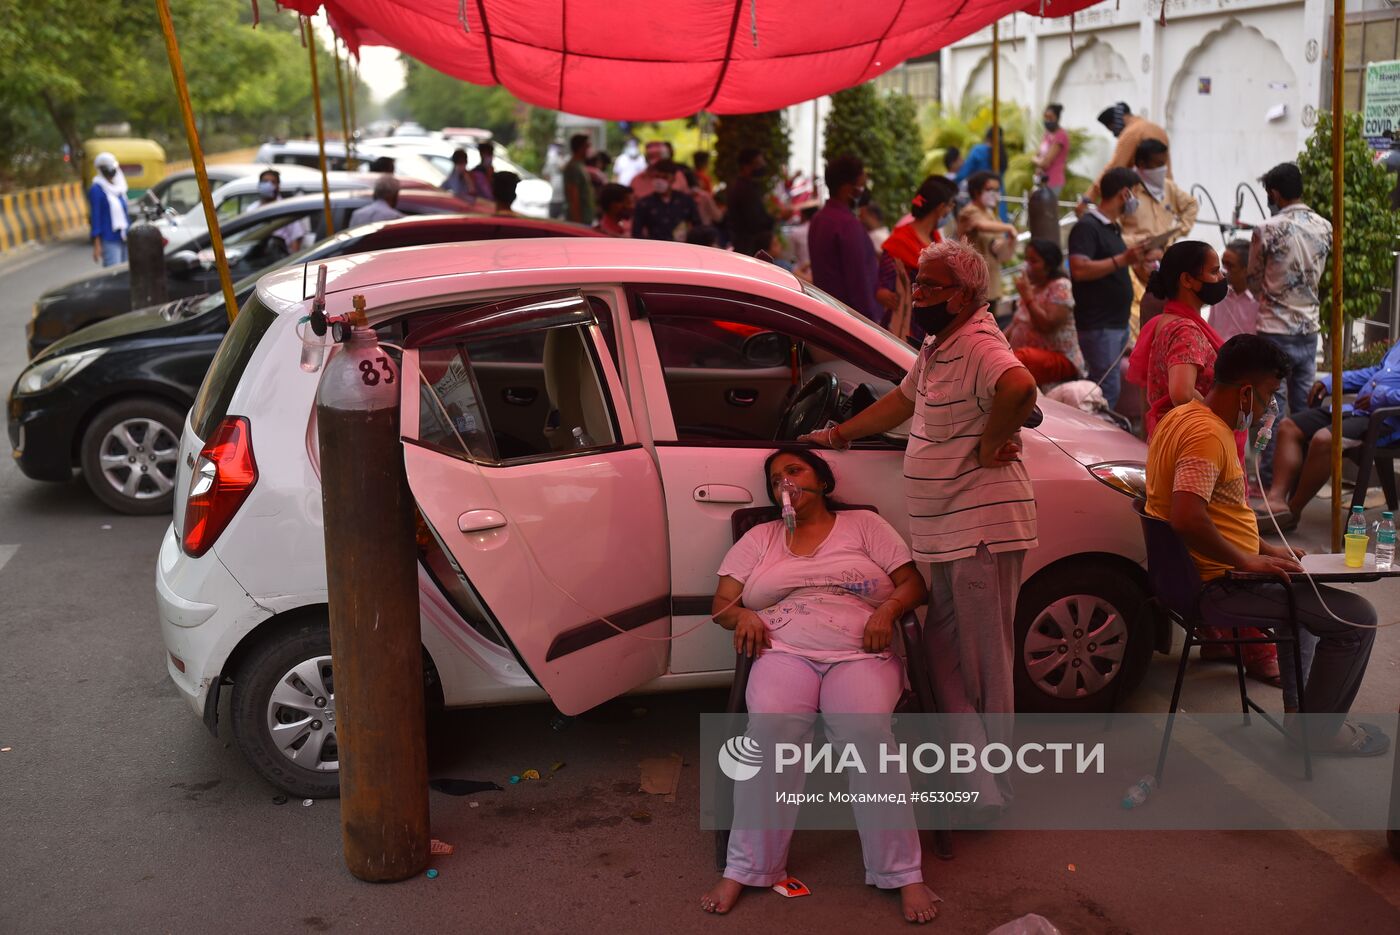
(629, 163)
(294, 233)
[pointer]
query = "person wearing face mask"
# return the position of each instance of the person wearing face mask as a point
(1287, 256)
(660, 167)
(1103, 290)
(899, 254)
(1053, 154)
(293, 234)
(108, 212)
(578, 188)
(615, 206)
(479, 179)
(1165, 214)
(1042, 329)
(972, 514)
(843, 258)
(979, 159)
(1130, 130)
(659, 215)
(979, 226)
(750, 224)
(629, 163)
(1195, 482)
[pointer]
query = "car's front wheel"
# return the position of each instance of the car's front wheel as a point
(1083, 639)
(129, 455)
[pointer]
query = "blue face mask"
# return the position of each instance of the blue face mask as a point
(268, 190)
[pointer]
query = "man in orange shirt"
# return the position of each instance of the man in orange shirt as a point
(1130, 130)
(1195, 482)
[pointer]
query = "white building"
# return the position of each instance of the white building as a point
(1236, 83)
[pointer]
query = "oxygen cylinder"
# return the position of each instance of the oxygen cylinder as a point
(372, 584)
(1043, 214)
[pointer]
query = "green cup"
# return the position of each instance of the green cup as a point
(1356, 549)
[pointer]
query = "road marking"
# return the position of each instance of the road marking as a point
(7, 552)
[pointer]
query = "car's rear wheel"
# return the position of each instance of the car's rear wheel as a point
(129, 455)
(283, 708)
(1083, 639)
(283, 711)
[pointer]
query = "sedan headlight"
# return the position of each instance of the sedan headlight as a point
(1126, 477)
(49, 373)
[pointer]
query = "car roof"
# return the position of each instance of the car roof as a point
(583, 259)
(430, 198)
(238, 170)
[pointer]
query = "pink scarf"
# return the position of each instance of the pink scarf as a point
(1139, 362)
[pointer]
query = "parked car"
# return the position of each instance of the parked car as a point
(179, 191)
(120, 389)
(308, 154)
(675, 363)
(234, 198)
(251, 243)
(532, 195)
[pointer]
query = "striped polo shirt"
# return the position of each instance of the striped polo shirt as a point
(955, 505)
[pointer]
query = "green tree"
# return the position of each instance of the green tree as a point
(1370, 226)
(437, 100)
(883, 130)
(736, 132)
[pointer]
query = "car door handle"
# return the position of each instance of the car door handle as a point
(480, 521)
(520, 395)
(722, 493)
(741, 398)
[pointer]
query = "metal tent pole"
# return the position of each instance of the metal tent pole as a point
(182, 92)
(1338, 211)
(996, 99)
(320, 122)
(340, 86)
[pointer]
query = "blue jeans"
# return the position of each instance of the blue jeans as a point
(1102, 348)
(113, 252)
(1293, 395)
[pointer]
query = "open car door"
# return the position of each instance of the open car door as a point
(526, 465)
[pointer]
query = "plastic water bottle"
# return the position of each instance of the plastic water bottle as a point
(1356, 526)
(582, 439)
(1138, 792)
(1385, 541)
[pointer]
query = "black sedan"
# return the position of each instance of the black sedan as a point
(111, 399)
(252, 242)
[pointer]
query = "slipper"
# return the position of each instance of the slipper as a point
(1366, 740)
(1287, 520)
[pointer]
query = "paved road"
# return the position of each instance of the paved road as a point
(120, 813)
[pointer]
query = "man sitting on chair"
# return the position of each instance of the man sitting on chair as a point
(1195, 482)
(1303, 454)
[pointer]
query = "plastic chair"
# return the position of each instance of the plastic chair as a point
(1368, 453)
(1177, 591)
(919, 698)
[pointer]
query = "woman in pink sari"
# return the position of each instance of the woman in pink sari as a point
(1175, 359)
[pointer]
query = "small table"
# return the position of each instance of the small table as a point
(1327, 568)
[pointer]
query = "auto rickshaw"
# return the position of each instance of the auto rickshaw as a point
(141, 161)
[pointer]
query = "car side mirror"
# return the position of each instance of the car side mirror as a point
(182, 263)
(767, 349)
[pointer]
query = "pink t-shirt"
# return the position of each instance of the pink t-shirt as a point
(817, 605)
(1055, 171)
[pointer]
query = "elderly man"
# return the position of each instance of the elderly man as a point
(971, 507)
(384, 207)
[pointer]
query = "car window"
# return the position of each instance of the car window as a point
(182, 195)
(515, 397)
(236, 349)
(731, 363)
(235, 205)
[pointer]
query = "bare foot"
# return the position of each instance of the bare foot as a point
(918, 903)
(722, 896)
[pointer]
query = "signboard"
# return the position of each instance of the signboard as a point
(1382, 109)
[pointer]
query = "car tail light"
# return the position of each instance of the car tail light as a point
(224, 475)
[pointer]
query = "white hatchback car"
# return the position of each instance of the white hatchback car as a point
(616, 400)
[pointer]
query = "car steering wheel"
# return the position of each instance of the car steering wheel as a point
(811, 408)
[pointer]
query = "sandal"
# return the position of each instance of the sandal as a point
(1287, 520)
(1363, 740)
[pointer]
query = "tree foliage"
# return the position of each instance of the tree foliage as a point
(882, 129)
(72, 64)
(437, 100)
(1370, 226)
(734, 133)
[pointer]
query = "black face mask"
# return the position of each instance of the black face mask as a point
(933, 318)
(1052, 125)
(1213, 293)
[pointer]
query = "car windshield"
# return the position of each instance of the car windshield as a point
(833, 302)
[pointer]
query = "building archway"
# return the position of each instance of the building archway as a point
(979, 82)
(1094, 78)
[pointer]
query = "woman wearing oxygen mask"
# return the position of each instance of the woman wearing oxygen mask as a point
(815, 597)
(1175, 360)
(1195, 481)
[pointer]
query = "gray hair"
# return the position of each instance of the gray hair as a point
(967, 265)
(386, 188)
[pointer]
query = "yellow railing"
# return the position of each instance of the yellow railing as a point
(38, 214)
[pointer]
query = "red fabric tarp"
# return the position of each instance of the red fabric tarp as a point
(650, 60)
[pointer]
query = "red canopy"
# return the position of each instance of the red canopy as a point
(659, 59)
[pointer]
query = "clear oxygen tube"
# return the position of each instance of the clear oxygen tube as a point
(787, 492)
(1261, 441)
(529, 549)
